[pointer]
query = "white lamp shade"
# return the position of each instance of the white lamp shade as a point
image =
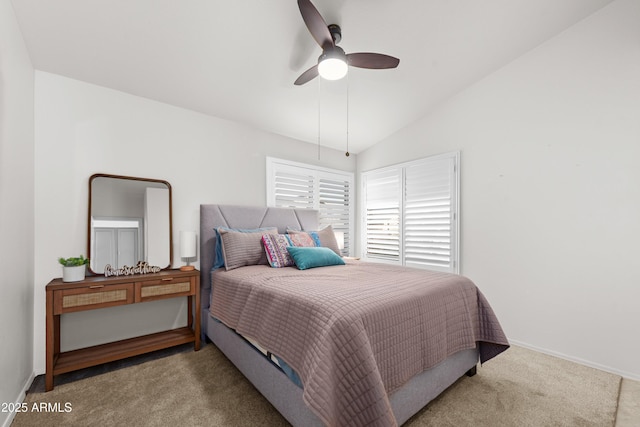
(188, 244)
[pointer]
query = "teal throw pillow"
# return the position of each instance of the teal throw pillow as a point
(310, 257)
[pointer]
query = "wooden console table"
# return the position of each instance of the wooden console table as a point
(99, 292)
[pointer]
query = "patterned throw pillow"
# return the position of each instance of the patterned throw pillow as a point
(275, 246)
(301, 239)
(324, 237)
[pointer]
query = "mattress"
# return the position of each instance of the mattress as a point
(273, 358)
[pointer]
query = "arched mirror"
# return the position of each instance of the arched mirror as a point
(129, 221)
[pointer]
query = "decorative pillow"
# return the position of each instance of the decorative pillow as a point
(275, 247)
(218, 260)
(324, 237)
(302, 239)
(243, 248)
(310, 257)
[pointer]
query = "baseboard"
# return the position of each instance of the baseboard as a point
(19, 399)
(624, 374)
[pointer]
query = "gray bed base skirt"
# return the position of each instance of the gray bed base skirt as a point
(286, 397)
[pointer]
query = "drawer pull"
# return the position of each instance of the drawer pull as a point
(168, 279)
(96, 286)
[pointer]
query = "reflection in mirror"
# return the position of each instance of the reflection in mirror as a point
(129, 222)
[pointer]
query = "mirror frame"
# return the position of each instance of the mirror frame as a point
(132, 178)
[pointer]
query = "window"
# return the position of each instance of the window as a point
(409, 213)
(298, 185)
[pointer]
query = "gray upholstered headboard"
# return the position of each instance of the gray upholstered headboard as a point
(212, 216)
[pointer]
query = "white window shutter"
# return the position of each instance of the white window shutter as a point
(293, 188)
(410, 213)
(382, 215)
(298, 185)
(334, 196)
(429, 199)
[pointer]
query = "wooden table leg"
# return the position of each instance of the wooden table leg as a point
(190, 312)
(53, 340)
(197, 316)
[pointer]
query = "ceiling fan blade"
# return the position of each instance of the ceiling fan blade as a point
(307, 76)
(315, 23)
(372, 60)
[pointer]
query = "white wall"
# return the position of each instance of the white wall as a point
(156, 223)
(82, 129)
(550, 188)
(16, 212)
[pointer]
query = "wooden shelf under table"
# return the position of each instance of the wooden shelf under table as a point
(91, 356)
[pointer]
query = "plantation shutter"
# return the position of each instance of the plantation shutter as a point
(410, 213)
(297, 185)
(293, 187)
(429, 196)
(382, 215)
(334, 196)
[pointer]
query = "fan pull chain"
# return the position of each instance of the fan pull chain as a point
(347, 152)
(319, 92)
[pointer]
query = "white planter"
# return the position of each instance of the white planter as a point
(73, 274)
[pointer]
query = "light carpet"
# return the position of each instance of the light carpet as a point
(517, 388)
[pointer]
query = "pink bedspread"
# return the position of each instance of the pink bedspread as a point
(358, 332)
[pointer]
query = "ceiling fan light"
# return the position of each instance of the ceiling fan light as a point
(332, 64)
(332, 68)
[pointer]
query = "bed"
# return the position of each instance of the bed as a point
(337, 345)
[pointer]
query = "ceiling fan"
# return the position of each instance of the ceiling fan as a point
(333, 64)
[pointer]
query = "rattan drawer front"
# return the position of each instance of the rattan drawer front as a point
(92, 297)
(174, 288)
(168, 288)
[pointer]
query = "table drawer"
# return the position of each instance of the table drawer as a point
(168, 287)
(92, 297)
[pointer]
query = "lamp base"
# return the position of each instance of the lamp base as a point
(187, 268)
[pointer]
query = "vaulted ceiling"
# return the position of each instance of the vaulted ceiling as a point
(238, 59)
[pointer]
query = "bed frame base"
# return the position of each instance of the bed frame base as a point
(270, 381)
(286, 397)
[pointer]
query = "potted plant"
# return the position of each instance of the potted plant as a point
(73, 269)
